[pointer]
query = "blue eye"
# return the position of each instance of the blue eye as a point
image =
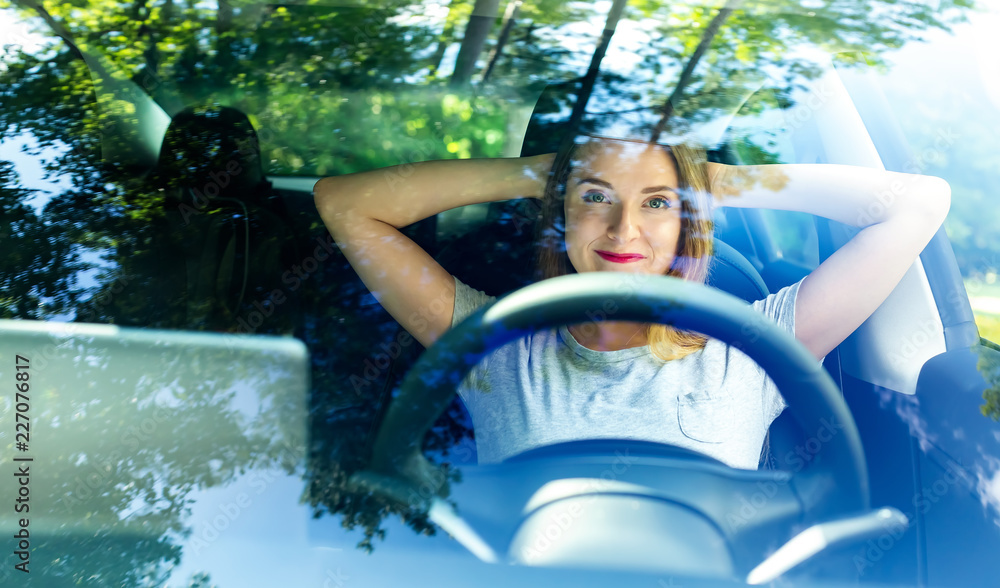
(595, 197)
(664, 203)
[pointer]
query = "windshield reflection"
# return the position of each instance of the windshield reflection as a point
(126, 433)
(177, 226)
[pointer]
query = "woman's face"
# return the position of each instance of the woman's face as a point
(622, 208)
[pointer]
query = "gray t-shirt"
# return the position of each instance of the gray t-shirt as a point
(547, 388)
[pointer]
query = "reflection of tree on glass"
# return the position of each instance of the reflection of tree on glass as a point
(989, 367)
(616, 205)
(261, 59)
(131, 432)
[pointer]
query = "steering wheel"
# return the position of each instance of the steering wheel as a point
(834, 482)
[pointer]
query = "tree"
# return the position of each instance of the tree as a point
(118, 458)
(35, 264)
(334, 90)
(988, 365)
(480, 23)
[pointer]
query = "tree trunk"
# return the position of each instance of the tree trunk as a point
(484, 13)
(588, 81)
(223, 40)
(508, 23)
(447, 35)
(685, 78)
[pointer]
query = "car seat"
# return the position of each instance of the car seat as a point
(510, 225)
(729, 270)
(226, 239)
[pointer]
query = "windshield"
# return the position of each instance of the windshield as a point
(157, 169)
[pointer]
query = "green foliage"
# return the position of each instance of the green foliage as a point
(331, 90)
(989, 326)
(35, 264)
(122, 460)
(989, 367)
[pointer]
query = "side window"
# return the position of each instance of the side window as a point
(983, 287)
(793, 236)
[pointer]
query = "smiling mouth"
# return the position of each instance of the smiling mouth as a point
(627, 258)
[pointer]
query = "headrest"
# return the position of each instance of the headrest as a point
(212, 150)
(730, 272)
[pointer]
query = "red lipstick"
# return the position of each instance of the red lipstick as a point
(620, 257)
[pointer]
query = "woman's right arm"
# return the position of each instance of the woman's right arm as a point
(364, 212)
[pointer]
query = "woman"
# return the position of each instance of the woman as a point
(618, 205)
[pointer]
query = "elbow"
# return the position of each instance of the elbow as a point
(328, 203)
(936, 194)
(322, 193)
(325, 197)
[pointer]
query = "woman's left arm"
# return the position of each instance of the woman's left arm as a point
(898, 215)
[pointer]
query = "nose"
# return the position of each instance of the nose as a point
(622, 226)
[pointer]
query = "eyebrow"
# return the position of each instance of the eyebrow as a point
(649, 190)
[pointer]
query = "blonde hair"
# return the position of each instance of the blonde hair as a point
(694, 245)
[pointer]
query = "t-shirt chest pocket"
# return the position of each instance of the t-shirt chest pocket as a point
(705, 418)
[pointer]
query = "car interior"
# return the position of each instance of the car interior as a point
(225, 236)
(746, 263)
(228, 236)
(211, 230)
(749, 264)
